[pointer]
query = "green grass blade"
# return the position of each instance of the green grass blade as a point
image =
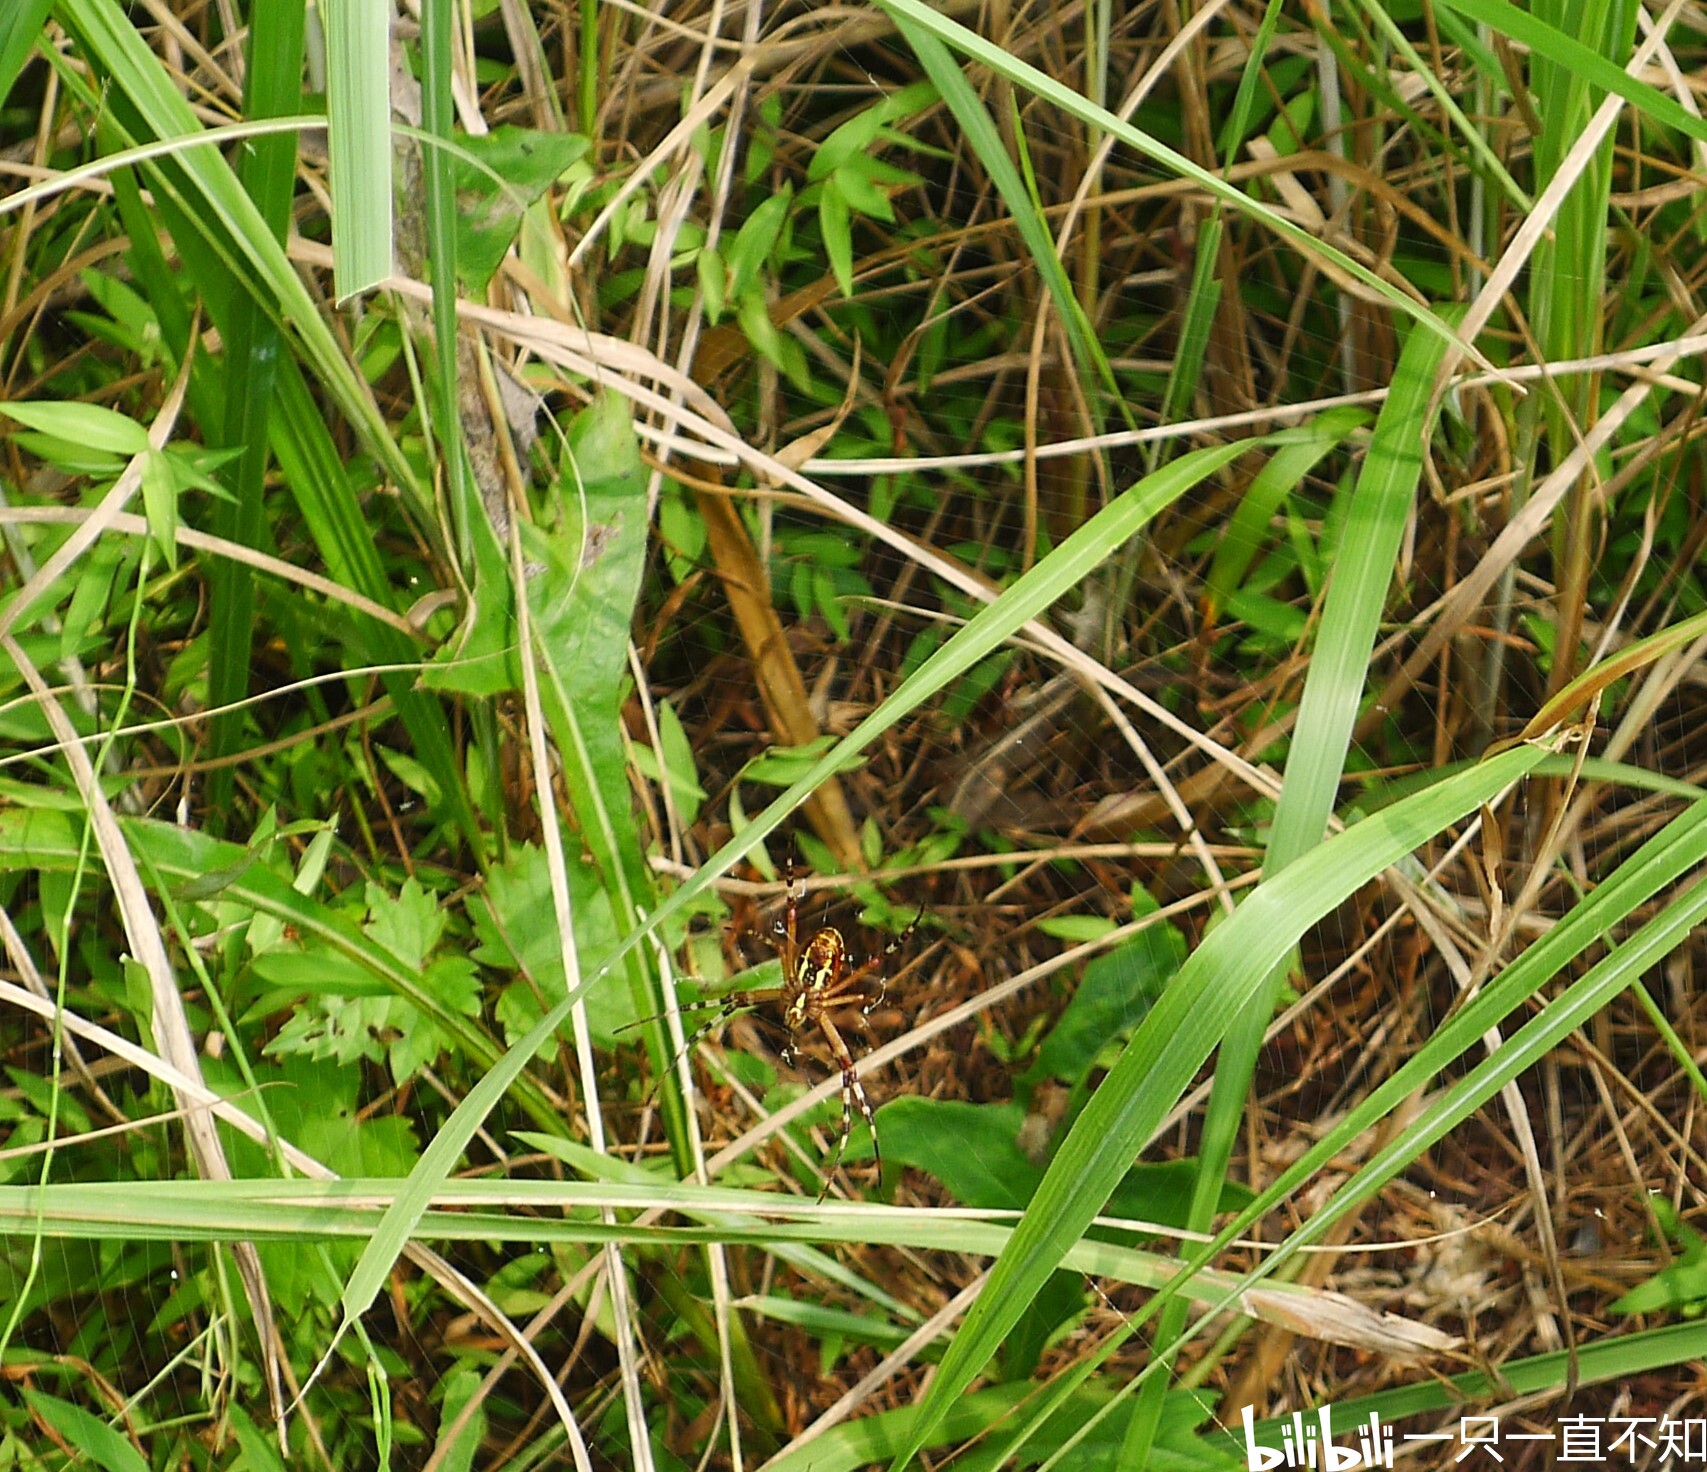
(1248, 527)
(1356, 599)
(212, 198)
(1587, 64)
(1004, 64)
(358, 136)
(273, 88)
(1663, 860)
(20, 29)
(1482, 152)
(1231, 966)
(1202, 302)
(1339, 671)
(974, 119)
(437, 122)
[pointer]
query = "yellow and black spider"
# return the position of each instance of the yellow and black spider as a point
(818, 978)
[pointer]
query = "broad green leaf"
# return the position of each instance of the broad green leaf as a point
(92, 1437)
(358, 140)
(160, 503)
(89, 426)
(498, 176)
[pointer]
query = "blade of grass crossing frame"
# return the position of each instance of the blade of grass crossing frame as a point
(1064, 568)
(1542, 39)
(437, 120)
(1228, 969)
(1364, 562)
(1665, 858)
(233, 233)
(917, 14)
(267, 169)
(974, 118)
(1333, 692)
(358, 135)
(20, 29)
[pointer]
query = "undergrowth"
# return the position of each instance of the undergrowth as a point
(1112, 594)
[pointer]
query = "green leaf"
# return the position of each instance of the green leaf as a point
(713, 282)
(358, 141)
(1112, 998)
(834, 225)
(858, 133)
(755, 240)
(972, 1149)
(160, 503)
(1076, 928)
(408, 923)
(20, 28)
(498, 177)
(1248, 530)
(87, 1434)
(319, 971)
(88, 426)
(856, 182)
(1548, 41)
(755, 319)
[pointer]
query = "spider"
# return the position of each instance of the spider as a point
(818, 978)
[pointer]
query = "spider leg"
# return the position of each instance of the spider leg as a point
(852, 1091)
(725, 1008)
(785, 937)
(791, 908)
(876, 963)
